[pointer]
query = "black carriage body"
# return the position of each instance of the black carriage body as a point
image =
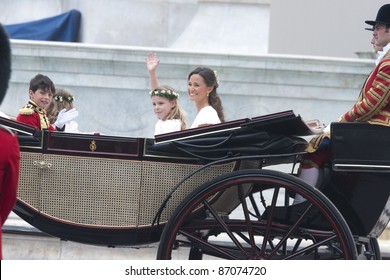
(363, 200)
(121, 191)
(100, 190)
(360, 183)
(107, 190)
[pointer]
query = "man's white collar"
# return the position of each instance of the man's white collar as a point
(382, 53)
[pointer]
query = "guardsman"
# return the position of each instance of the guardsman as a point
(9, 146)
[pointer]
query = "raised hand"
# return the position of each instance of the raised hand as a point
(65, 117)
(152, 61)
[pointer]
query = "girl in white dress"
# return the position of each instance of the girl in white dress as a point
(62, 100)
(170, 116)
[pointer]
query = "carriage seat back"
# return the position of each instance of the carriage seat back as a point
(360, 183)
(360, 147)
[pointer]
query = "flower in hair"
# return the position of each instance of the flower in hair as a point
(216, 76)
(167, 93)
(60, 98)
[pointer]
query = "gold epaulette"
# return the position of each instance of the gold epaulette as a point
(27, 110)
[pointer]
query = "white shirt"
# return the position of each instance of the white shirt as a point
(382, 53)
(167, 126)
(206, 115)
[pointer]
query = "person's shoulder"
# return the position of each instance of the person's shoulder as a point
(206, 116)
(210, 110)
(27, 110)
(9, 143)
(173, 121)
(6, 130)
(383, 67)
(207, 110)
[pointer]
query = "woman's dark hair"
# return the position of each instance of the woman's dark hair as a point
(210, 78)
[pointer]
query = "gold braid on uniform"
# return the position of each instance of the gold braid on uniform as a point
(315, 142)
(30, 108)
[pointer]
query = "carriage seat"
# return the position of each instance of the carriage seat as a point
(273, 134)
(240, 142)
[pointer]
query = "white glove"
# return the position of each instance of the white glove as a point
(327, 129)
(65, 117)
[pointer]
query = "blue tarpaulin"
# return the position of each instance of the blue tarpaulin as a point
(64, 27)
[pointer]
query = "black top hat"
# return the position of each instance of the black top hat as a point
(383, 16)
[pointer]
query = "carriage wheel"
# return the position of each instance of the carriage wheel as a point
(371, 250)
(375, 249)
(368, 248)
(262, 225)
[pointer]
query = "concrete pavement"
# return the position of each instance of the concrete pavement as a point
(24, 242)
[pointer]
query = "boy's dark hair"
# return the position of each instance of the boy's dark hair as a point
(42, 82)
(5, 62)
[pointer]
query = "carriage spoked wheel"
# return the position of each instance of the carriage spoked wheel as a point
(247, 214)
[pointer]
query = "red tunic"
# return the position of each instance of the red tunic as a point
(373, 104)
(9, 174)
(33, 115)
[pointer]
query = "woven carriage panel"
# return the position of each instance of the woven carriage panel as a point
(92, 191)
(159, 178)
(30, 178)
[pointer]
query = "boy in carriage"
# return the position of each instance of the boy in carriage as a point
(41, 93)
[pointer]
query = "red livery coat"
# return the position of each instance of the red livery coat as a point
(9, 173)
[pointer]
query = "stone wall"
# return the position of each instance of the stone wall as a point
(225, 26)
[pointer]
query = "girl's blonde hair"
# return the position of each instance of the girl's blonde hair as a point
(177, 112)
(62, 99)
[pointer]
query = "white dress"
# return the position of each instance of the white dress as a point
(72, 127)
(206, 115)
(167, 126)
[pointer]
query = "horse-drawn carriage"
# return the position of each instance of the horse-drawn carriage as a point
(223, 191)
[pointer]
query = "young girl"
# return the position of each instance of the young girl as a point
(170, 116)
(62, 100)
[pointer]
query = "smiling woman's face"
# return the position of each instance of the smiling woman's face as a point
(197, 89)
